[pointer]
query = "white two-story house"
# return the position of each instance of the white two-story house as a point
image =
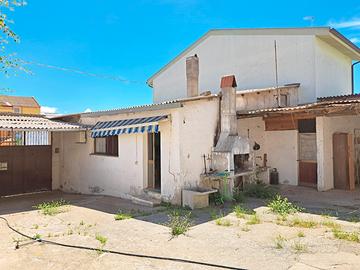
(202, 119)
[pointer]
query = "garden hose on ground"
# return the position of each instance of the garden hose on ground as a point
(117, 252)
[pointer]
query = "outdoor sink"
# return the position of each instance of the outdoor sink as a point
(197, 197)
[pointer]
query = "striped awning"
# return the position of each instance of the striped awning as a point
(127, 126)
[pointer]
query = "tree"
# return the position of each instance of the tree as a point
(8, 61)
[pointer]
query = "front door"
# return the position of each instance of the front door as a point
(307, 153)
(344, 176)
(154, 161)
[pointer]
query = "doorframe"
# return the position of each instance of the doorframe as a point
(147, 176)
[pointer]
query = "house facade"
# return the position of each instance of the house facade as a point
(268, 113)
(18, 104)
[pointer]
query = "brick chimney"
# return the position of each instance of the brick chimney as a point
(192, 76)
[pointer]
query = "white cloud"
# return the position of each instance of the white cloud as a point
(88, 110)
(355, 40)
(48, 110)
(352, 23)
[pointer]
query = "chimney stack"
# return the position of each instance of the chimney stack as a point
(192, 76)
(228, 105)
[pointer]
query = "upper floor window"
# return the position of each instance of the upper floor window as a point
(108, 146)
(17, 110)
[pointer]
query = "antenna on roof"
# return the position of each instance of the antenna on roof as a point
(310, 19)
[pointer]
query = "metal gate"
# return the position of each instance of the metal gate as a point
(24, 168)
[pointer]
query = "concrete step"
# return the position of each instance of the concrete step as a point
(145, 200)
(152, 193)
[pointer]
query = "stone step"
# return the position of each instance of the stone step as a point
(145, 200)
(153, 194)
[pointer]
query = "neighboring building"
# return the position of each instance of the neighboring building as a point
(203, 120)
(18, 104)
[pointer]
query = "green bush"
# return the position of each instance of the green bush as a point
(282, 206)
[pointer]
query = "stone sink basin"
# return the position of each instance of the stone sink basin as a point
(196, 198)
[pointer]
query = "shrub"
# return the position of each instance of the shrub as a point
(282, 206)
(51, 208)
(219, 199)
(179, 224)
(300, 234)
(259, 190)
(238, 195)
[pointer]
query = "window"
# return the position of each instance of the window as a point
(106, 146)
(17, 110)
(284, 102)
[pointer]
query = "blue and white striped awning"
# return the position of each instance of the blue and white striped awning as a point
(127, 126)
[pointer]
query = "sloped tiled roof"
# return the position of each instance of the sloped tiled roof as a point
(18, 101)
(35, 122)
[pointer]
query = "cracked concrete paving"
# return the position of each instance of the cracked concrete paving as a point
(241, 245)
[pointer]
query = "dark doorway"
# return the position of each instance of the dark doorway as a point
(154, 161)
(307, 152)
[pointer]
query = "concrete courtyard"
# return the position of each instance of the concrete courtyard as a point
(268, 243)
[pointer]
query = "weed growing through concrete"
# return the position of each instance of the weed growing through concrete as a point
(35, 226)
(330, 224)
(245, 228)
(52, 208)
(179, 223)
(102, 239)
(348, 236)
(82, 223)
(280, 241)
(223, 222)
(121, 216)
(241, 212)
(254, 219)
(282, 206)
(297, 222)
(37, 236)
(299, 247)
(300, 234)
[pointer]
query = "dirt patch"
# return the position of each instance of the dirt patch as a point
(269, 243)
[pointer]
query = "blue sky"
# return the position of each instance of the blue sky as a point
(133, 39)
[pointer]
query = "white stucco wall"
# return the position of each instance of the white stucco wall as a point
(184, 138)
(325, 128)
(333, 71)
(319, 68)
(281, 148)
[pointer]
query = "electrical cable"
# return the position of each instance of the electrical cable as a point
(118, 252)
(81, 72)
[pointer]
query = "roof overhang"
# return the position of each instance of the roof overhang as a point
(22, 122)
(327, 34)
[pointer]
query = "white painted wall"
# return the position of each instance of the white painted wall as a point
(325, 128)
(184, 138)
(281, 148)
(333, 71)
(265, 99)
(301, 58)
